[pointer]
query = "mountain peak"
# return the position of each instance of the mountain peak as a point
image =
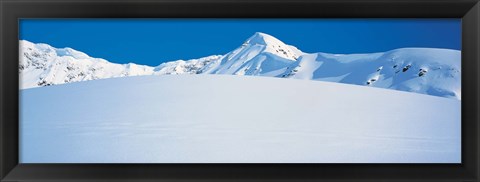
(261, 34)
(273, 45)
(46, 48)
(263, 39)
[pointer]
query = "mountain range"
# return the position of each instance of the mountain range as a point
(431, 71)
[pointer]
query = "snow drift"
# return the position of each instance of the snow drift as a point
(234, 119)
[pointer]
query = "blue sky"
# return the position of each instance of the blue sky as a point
(153, 41)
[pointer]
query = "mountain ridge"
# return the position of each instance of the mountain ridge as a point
(431, 71)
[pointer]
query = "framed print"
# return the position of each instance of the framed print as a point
(239, 90)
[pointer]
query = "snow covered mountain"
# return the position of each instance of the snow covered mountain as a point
(43, 65)
(421, 70)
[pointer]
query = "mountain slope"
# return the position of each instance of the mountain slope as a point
(421, 70)
(234, 119)
(258, 55)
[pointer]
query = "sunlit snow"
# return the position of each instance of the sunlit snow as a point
(239, 119)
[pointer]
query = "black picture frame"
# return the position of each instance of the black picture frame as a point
(12, 10)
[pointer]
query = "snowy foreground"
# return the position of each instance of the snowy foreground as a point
(238, 119)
